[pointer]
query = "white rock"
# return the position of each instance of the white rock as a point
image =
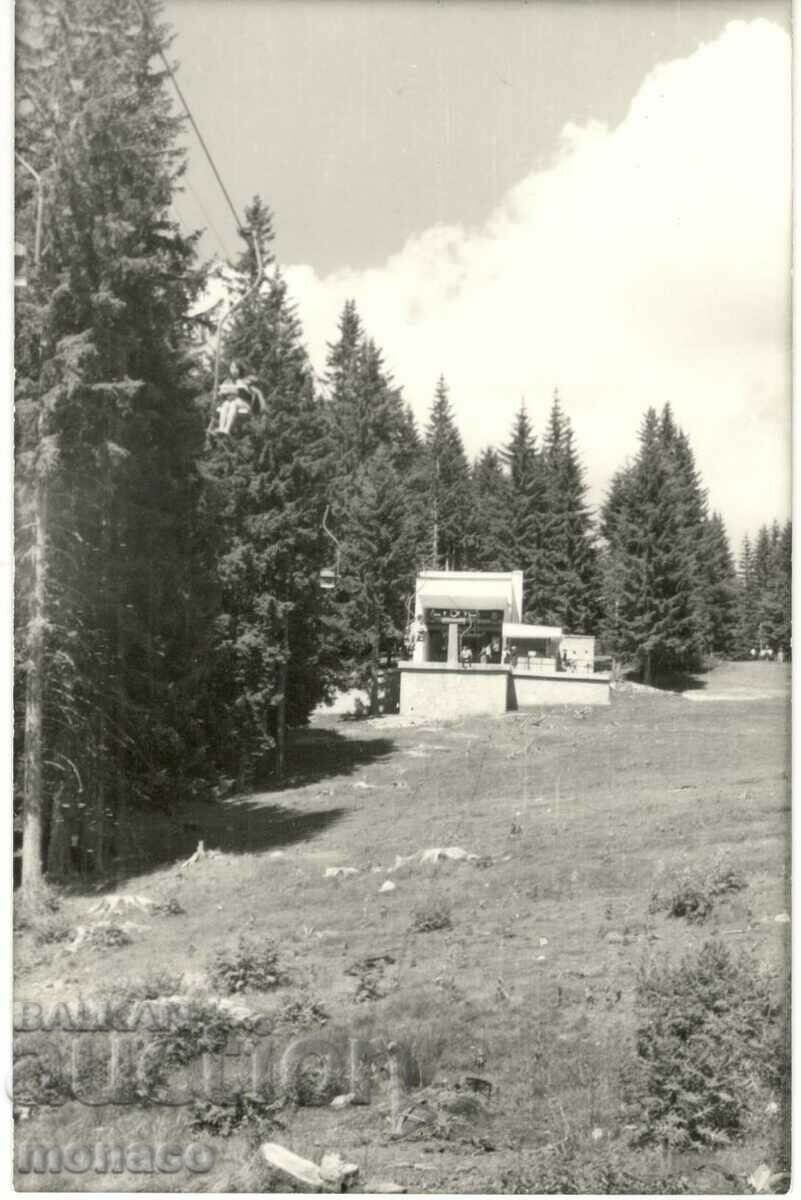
(451, 853)
(760, 1178)
(342, 1101)
(782, 919)
(300, 1169)
(543, 941)
(334, 1169)
(340, 872)
(387, 886)
(597, 1134)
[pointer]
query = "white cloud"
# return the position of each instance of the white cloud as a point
(646, 263)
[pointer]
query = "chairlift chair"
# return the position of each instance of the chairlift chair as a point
(330, 575)
(20, 278)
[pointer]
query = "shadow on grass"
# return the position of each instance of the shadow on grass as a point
(243, 824)
(673, 681)
(317, 754)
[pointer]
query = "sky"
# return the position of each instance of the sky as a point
(594, 197)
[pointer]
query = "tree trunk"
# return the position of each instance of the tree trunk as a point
(33, 803)
(374, 667)
(647, 670)
(280, 758)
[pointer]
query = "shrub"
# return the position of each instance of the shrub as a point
(241, 1110)
(369, 974)
(695, 894)
(707, 1042)
(51, 929)
(434, 914)
(199, 1028)
(302, 1010)
(171, 907)
(107, 937)
(252, 966)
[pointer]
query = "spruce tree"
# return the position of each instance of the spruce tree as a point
(721, 587)
(491, 491)
(364, 409)
(109, 609)
(568, 594)
(377, 565)
(448, 508)
(528, 492)
(654, 618)
(269, 487)
(748, 605)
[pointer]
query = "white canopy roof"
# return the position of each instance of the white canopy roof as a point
(463, 589)
(540, 632)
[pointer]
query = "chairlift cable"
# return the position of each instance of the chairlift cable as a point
(188, 111)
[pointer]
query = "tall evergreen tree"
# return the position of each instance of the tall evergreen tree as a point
(447, 493)
(721, 587)
(269, 495)
(653, 615)
(377, 566)
(364, 409)
(491, 504)
(694, 520)
(107, 433)
(748, 606)
(528, 495)
(765, 619)
(568, 588)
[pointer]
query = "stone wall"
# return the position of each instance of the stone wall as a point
(437, 692)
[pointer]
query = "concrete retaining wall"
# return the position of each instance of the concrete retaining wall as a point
(437, 692)
(532, 691)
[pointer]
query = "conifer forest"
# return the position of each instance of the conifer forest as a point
(170, 626)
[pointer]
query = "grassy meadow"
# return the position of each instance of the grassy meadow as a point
(512, 977)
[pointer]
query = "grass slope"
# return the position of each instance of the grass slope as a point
(581, 814)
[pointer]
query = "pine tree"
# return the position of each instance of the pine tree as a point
(269, 495)
(527, 511)
(568, 595)
(447, 493)
(491, 490)
(378, 542)
(364, 408)
(654, 617)
(694, 521)
(764, 610)
(721, 587)
(107, 434)
(748, 605)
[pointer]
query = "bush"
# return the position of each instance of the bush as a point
(708, 1043)
(434, 914)
(239, 1111)
(302, 1010)
(107, 937)
(199, 1027)
(252, 966)
(695, 894)
(171, 907)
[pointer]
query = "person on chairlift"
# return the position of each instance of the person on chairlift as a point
(239, 396)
